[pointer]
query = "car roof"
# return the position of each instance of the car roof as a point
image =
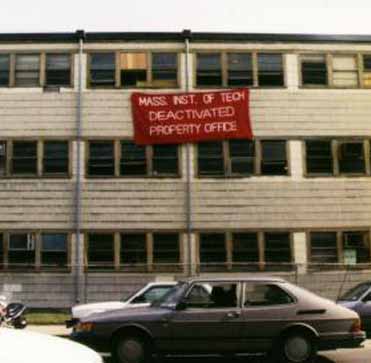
(239, 279)
(162, 283)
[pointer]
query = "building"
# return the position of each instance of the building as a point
(87, 215)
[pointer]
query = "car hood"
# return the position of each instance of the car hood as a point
(81, 311)
(25, 346)
(127, 314)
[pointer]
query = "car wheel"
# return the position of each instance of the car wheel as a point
(298, 347)
(132, 349)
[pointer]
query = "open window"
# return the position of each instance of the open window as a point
(133, 69)
(102, 69)
(100, 251)
(209, 70)
(54, 251)
(356, 247)
(58, 70)
(240, 69)
(164, 69)
(274, 157)
(270, 70)
(4, 70)
(366, 75)
(24, 158)
(314, 70)
(27, 70)
(21, 250)
(101, 160)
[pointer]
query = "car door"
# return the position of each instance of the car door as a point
(210, 320)
(266, 308)
(364, 311)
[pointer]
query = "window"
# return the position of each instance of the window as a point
(265, 295)
(323, 248)
(210, 159)
(24, 158)
(241, 155)
(274, 158)
(58, 70)
(133, 159)
(213, 253)
(164, 69)
(21, 251)
(351, 158)
(344, 71)
(133, 252)
(277, 251)
(319, 158)
(4, 70)
(100, 251)
(245, 252)
(209, 70)
(165, 160)
(356, 247)
(54, 251)
(270, 70)
(101, 160)
(27, 70)
(240, 69)
(1, 251)
(133, 69)
(366, 76)
(152, 294)
(166, 251)
(2, 158)
(55, 157)
(314, 70)
(102, 69)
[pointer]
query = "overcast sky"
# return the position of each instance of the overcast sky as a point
(248, 16)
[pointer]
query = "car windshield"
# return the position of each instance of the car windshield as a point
(171, 298)
(355, 293)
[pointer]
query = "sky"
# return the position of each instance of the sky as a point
(246, 16)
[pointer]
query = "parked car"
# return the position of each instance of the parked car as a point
(20, 346)
(225, 316)
(141, 298)
(358, 299)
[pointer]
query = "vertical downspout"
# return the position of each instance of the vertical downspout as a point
(78, 251)
(187, 37)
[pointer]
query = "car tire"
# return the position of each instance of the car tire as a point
(297, 347)
(132, 349)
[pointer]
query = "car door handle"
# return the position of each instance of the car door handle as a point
(233, 314)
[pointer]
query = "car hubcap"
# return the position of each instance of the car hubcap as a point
(297, 349)
(131, 351)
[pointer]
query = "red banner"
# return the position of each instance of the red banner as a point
(190, 117)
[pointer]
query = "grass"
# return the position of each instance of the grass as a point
(48, 317)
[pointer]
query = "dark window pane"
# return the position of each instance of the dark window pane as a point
(356, 247)
(240, 71)
(54, 250)
(102, 69)
(1, 251)
(314, 73)
(277, 251)
(21, 253)
(351, 158)
(274, 160)
(133, 159)
(213, 255)
(166, 252)
(165, 160)
(367, 63)
(242, 155)
(101, 159)
(270, 70)
(100, 251)
(319, 157)
(133, 69)
(24, 160)
(323, 248)
(58, 72)
(134, 251)
(209, 70)
(27, 70)
(2, 158)
(210, 159)
(164, 68)
(55, 157)
(4, 70)
(245, 251)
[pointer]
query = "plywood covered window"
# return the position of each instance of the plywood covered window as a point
(100, 249)
(314, 70)
(240, 69)
(164, 69)
(4, 70)
(356, 247)
(21, 250)
(27, 70)
(133, 69)
(54, 250)
(209, 70)
(270, 70)
(24, 158)
(55, 158)
(274, 157)
(351, 158)
(102, 69)
(278, 254)
(319, 159)
(58, 70)
(101, 160)
(345, 71)
(133, 251)
(166, 250)
(366, 76)
(323, 248)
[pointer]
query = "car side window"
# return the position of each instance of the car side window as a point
(152, 294)
(265, 295)
(212, 295)
(367, 298)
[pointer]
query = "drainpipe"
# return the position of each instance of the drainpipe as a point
(79, 273)
(187, 35)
